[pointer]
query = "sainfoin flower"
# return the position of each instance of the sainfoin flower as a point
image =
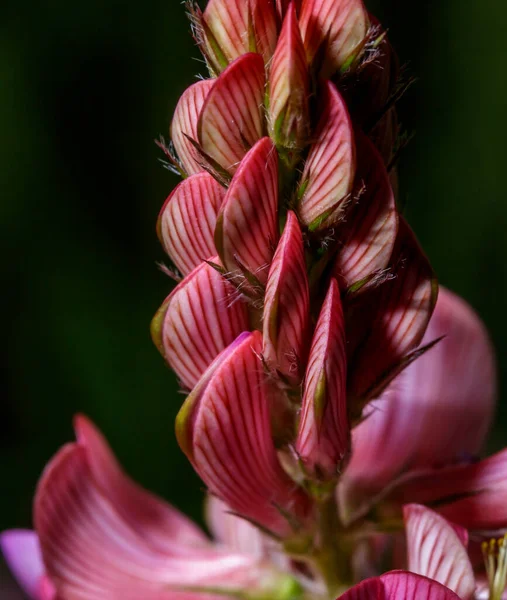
(332, 399)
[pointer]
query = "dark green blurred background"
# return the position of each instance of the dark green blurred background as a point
(85, 88)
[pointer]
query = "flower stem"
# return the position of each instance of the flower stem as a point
(331, 557)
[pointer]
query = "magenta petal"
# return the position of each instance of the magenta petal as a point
(224, 428)
(370, 589)
(329, 171)
(247, 226)
(368, 234)
(22, 553)
(184, 124)
(198, 320)
(231, 120)
(187, 221)
(339, 27)
(286, 305)
(323, 434)
(399, 585)
(436, 550)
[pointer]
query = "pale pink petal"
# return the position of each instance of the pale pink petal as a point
(459, 394)
(436, 551)
(197, 321)
(232, 28)
(329, 171)
(186, 223)
(472, 495)
(247, 226)
(369, 231)
(21, 550)
(335, 28)
(231, 120)
(224, 428)
(157, 522)
(232, 531)
(99, 534)
(184, 124)
(289, 87)
(438, 410)
(389, 321)
(286, 305)
(323, 434)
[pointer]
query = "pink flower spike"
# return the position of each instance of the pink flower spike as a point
(369, 231)
(232, 28)
(389, 321)
(338, 27)
(436, 550)
(329, 171)
(286, 305)
(224, 428)
(21, 550)
(247, 226)
(289, 87)
(184, 125)
(399, 585)
(231, 120)
(187, 221)
(323, 434)
(201, 317)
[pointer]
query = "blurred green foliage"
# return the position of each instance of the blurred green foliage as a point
(85, 89)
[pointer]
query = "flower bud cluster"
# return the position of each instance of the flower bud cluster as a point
(303, 291)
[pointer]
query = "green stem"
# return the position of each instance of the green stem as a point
(331, 557)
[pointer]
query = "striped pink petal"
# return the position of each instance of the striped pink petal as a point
(184, 124)
(247, 226)
(329, 171)
(368, 234)
(389, 321)
(187, 221)
(197, 321)
(471, 495)
(334, 28)
(103, 538)
(286, 305)
(234, 27)
(323, 434)
(436, 551)
(232, 118)
(289, 87)
(224, 428)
